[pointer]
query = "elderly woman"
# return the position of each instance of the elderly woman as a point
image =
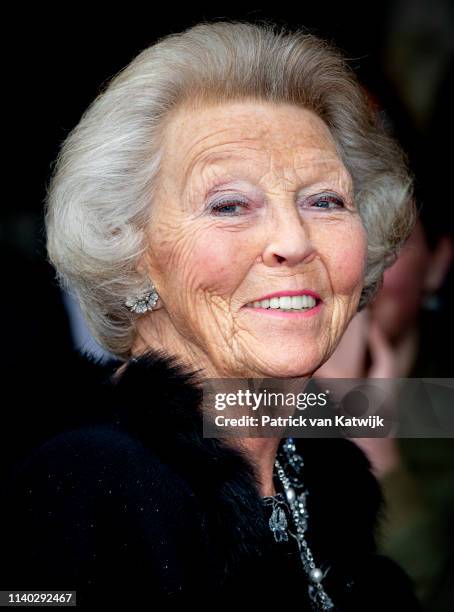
(223, 209)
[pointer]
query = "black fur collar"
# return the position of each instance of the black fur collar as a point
(160, 404)
(158, 400)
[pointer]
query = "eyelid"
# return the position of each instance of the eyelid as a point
(233, 198)
(217, 206)
(326, 194)
(322, 194)
(226, 200)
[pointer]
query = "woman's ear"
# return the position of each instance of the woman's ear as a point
(145, 270)
(144, 265)
(440, 261)
(142, 268)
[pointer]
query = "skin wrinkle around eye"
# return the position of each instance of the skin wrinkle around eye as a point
(340, 182)
(219, 206)
(251, 194)
(318, 195)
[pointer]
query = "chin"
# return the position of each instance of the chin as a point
(291, 368)
(291, 373)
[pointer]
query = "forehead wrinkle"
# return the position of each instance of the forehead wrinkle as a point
(261, 127)
(209, 161)
(206, 154)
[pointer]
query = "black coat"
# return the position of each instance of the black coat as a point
(127, 503)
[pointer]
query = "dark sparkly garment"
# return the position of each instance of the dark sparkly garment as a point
(125, 502)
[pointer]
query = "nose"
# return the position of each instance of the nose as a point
(289, 239)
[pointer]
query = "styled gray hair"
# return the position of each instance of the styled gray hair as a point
(100, 194)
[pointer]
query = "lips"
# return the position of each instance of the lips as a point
(299, 302)
(278, 294)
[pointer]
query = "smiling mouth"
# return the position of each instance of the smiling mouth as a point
(287, 303)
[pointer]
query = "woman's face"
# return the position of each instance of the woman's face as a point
(253, 199)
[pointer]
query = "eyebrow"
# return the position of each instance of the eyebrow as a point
(319, 178)
(211, 159)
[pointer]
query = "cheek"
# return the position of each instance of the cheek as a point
(345, 253)
(220, 262)
(206, 263)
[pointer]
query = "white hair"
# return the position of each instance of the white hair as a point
(100, 194)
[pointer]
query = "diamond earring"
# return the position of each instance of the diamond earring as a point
(143, 303)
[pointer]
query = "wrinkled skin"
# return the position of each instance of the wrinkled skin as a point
(207, 264)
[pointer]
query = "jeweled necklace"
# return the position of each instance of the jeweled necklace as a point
(295, 495)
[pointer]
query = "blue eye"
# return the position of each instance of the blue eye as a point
(327, 202)
(228, 208)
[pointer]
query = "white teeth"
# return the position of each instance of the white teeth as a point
(297, 302)
(286, 302)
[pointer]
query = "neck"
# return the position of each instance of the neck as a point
(262, 453)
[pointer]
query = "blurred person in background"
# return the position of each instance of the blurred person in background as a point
(406, 332)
